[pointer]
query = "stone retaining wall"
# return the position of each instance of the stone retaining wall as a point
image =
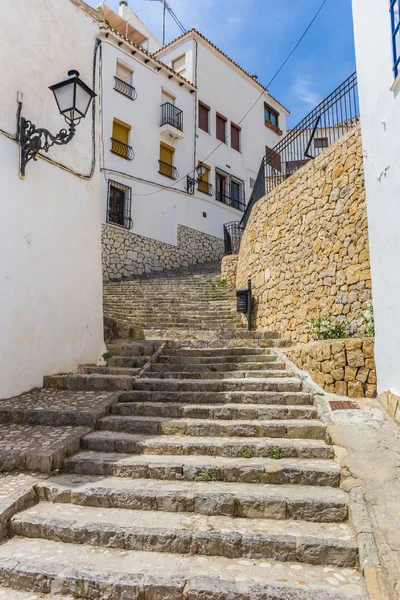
(126, 254)
(229, 268)
(344, 367)
(305, 246)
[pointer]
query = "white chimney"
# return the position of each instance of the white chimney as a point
(123, 9)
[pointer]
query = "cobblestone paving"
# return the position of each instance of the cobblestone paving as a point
(57, 408)
(37, 448)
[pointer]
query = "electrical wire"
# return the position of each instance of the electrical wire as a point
(254, 103)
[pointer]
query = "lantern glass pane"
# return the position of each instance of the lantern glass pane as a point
(65, 97)
(82, 101)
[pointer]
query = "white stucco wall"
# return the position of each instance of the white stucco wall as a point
(50, 268)
(380, 115)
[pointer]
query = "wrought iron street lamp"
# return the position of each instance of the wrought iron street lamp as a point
(73, 99)
(201, 170)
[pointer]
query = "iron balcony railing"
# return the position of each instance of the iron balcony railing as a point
(205, 187)
(323, 126)
(122, 149)
(167, 170)
(232, 237)
(119, 219)
(232, 199)
(170, 115)
(124, 88)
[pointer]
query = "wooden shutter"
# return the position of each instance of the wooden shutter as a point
(167, 154)
(235, 137)
(273, 159)
(121, 131)
(204, 112)
(221, 128)
(124, 73)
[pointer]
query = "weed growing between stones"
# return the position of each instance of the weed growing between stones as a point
(276, 454)
(135, 364)
(329, 440)
(107, 355)
(247, 453)
(327, 328)
(206, 476)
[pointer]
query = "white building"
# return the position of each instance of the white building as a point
(169, 112)
(50, 269)
(377, 41)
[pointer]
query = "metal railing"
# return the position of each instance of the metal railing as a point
(323, 126)
(124, 88)
(119, 219)
(236, 201)
(170, 115)
(205, 187)
(167, 170)
(232, 237)
(122, 149)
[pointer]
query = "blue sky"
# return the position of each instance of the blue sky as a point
(259, 34)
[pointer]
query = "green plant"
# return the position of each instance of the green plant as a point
(366, 320)
(224, 282)
(326, 328)
(328, 440)
(206, 476)
(276, 454)
(107, 355)
(135, 364)
(247, 453)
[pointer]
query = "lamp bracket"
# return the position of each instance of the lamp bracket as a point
(33, 139)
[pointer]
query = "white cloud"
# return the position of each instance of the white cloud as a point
(302, 90)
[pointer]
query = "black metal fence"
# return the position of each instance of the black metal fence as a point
(232, 196)
(232, 236)
(124, 88)
(167, 170)
(171, 115)
(122, 149)
(323, 126)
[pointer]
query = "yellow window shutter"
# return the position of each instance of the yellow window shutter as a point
(167, 153)
(121, 131)
(206, 175)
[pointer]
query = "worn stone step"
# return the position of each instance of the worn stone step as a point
(221, 398)
(222, 385)
(92, 572)
(292, 429)
(10, 594)
(114, 441)
(180, 533)
(127, 361)
(131, 349)
(266, 374)
(217, 360)
(212, 352)
(195, 468)
(212, 411)
(83, 382)
(94, 370)
(304, 503)
(171, 367)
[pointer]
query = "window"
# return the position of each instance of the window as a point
(229, 190)
(166, 161)
(221, 128)
(235, 137)
(237, 194)
(252, 183)
(123, 81)
(221, 186)
(273, 159)
(203, 183)
(271, 115)
(395, 20)
(321, 142)
(119, 204)
(120, 139)
(179, 64)
(204, 117)
(124, 73)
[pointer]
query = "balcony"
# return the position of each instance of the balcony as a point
(205, 188)
(122, 150)
(124, 88)
(233, 200)
(171, 121)
(167, 170)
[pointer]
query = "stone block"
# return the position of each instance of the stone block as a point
(362, 375)
(355, 358)
(355, 389)
(350, 373)
(338, 374)
(341, 388)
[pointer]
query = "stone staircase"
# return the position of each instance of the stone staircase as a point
(211, 477)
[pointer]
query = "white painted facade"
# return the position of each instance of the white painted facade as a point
(380, 115)
(160, 204)
(50, 269)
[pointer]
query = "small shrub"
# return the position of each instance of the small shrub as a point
(224, 282)
(328, 440)
(206, 476)
(135, 364)
(107, 355)
(366, 320)
(326, 328)
(247, 453)
(276, 454)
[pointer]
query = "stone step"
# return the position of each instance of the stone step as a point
(84, 382)
(10, 594)
(216, 352)
(91, 572)
(127, 349)
(281, 502)
(127, 361)
(114, 441)
(217, 360)
(177, 533)
(165, 367)
(291, 429)
(197, 468)
(212, 411)
(223, 385)
(93, 370)
(208, 375)
(221, 398)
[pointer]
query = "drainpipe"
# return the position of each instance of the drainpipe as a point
(195, 107)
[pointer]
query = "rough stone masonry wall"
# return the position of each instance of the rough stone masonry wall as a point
(125, 254)
(229, 268)
(306, 244)
(344, 367)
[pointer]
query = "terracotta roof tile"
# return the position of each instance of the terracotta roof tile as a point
(194, 31)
